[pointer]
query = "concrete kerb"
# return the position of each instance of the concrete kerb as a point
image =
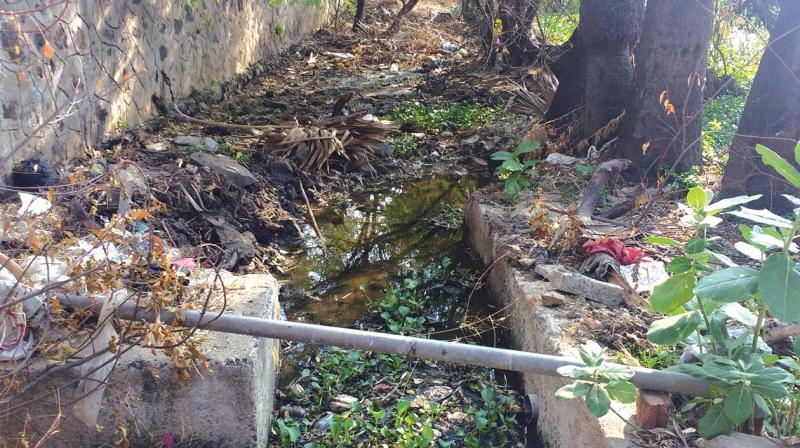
(535, 328)
(229, 406)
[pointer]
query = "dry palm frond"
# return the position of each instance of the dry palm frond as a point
(601, 135)
(525, 102)
(545, 82)
(349, 138)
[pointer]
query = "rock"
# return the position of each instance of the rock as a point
(526, 262)
(323, 423)
(191, 169)
(576, 283)
(208, 144)
(226, 167)
(342, 402)
(560, 159)
(383, 150)
(281, 170)
(471, 140)
(457, 416)
(738, 440)
(553, 298)
(446, 134)
(157, 146)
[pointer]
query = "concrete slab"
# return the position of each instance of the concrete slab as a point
(231, 406)
(537, 328)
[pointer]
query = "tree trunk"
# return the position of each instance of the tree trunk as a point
(610, 36)
(662, 122)
(517, 17)
(771, 116)
(489, 41)
(570, 70)
(359, 14)
(395, 26)
(601, 48)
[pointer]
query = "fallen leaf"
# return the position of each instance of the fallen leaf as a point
(48, 50)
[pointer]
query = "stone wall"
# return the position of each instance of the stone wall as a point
(73, 72)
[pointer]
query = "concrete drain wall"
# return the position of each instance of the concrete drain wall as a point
(536, 328)
(230, 406)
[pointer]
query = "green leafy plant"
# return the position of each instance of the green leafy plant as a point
(288, 431)
(279, 30)
(443, 117)
(494, 417)
(698, 298)
(404, 144)
(514, 171)
(401, 307)
(597, 382)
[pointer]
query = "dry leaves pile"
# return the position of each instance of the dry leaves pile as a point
(350, 138)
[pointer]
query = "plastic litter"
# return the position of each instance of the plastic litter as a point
(33, 205)
(449, 47)
(644, 276)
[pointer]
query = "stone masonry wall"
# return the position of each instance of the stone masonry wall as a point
(73, 72)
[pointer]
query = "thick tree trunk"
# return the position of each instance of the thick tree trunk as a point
(610, 36)
(570, 70)
(596, 64)
(395, 26)
(359, 14)
(662, 122)
(771, 116)
(517, 17)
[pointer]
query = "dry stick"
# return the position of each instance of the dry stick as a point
(313, 220)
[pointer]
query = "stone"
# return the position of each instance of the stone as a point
(342, 402)
(208, 144)
(230, 405)
(446, 134)
(323, 423)
(471, 140)
(281, 170)
(581, 285)
(456, 416)
(226, 167)
(652, 409)
(383, 150)
(157, 146)
(738, 440)
(191, 169)
(553, 298)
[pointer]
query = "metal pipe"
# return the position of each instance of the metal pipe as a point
(451, 352)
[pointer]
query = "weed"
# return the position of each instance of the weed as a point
(240, 156)
(440, 117)
(288, 431)
(400, 307)
(585, 169)
(404, 144)
(684, 180)
(513, 172)
(720, 120)
(279, 30)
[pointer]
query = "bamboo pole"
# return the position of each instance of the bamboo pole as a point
(432, 349)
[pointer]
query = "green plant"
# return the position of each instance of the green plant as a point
(399, 309)
(597, 383)
(685, 179)
(513, 171)
(404, 144)
(720, 119)
(440, 116)
(279, 29)
(700, 297)
(494, 418)
(288, 431)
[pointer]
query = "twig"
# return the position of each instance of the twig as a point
(313, 219)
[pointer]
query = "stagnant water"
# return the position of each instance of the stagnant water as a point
(374, 241)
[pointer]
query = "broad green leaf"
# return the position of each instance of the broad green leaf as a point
(739, 313)
(527, 146)
(762, 216)
(511, 165)
(696, 246)
(773, 391)
(616, 373)
(728, 285)
(796, 345)
(673, 292)
(622, 391)
(719, 332)
(721, 259)
(797, 153)
(738, 404)
(661, 241)
(575, 372)
(672, 330)
(772, 375)
(729, 202)
(679, 264)
(749, 250)
(765, 240)
(779, 286)
(570, 391)
(487, 394)
(713, 423)
(597, 400)
(502, 155)
(697, 198)
(591, 353)
(761, 404)
(781, 165)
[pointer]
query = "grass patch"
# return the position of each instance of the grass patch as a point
(404, 144)
(720, 120)
(443, 116)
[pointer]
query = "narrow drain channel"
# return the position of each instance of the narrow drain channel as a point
(376, 241)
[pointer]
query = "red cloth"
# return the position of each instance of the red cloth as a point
(616, 248)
